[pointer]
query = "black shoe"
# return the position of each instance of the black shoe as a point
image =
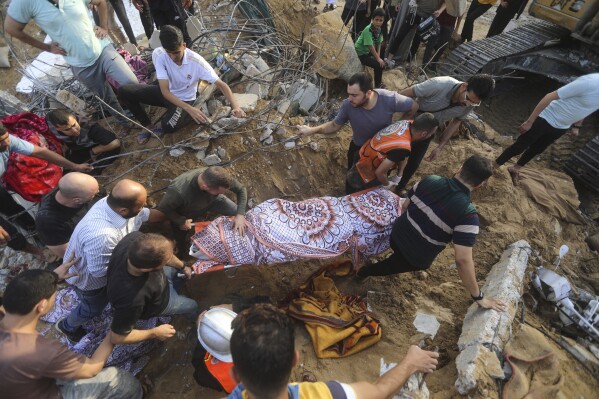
(72, 337)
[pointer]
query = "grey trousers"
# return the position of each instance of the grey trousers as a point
(110, 383)
(94, 76)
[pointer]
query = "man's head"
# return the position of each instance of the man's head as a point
(78, 188)
(378, 18)
(263, 350)
(31, 292)
(149, 252)
(215, 180)
(4, 138)
(172, 42)
(359, 89)
(424, 126)
(127, 198)
(64, 122)
(477, 89)
(475, 171)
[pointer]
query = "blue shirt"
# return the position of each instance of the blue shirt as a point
(16, 145)
(69, 25)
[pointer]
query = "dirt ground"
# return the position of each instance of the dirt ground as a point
(507, 215)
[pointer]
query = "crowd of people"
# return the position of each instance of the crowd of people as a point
(108, 261)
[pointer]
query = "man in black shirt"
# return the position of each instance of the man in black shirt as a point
(140, 286)
(61, 209)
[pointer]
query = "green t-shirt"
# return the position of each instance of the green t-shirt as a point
(366, 39)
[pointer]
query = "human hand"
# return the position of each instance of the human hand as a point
(164, 332)
(239, 224)
(197, 115)
(525, 127)
(186, 226)
(63, 270)
(434, 154)
(4, 236)
(100, 32)
(504, 4)
(492, 303)
(139, 4)
(303, 130)
(397, 7)
(390, 186)
(238, 112)
(187, 271)
(55, 48)
(573, 131)
(83, 167)
(186, 3)
(368, 13)
(381, 62)
(420, 360)
(436, 13)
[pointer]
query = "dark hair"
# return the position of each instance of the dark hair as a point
(121, 202)
(482, 85)
(59, 117)
(426, 122)
(217, 176)
(3, 129)
(149, 251)
(362, 79)
(379, 12)
(171, 37)
(263, 347)
(27, 289)
(476, 170)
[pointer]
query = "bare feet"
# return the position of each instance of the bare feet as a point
(515, 175)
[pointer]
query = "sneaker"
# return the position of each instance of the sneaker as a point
(74, 337)
(390, 63)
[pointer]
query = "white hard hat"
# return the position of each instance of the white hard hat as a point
(214, 333)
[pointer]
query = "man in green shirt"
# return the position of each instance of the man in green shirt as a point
(199, 191)
(368, 45)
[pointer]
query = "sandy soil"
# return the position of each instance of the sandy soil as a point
(507, 215)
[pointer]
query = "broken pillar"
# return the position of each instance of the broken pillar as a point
(485, 331)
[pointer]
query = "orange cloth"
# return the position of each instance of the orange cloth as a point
(220, 371)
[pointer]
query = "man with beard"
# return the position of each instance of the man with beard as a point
(92, 242)
(368, 110)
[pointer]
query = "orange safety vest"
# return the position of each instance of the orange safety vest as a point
(220, 371)
(396, 136)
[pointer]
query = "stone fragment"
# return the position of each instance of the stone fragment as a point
(201, 154)
(212, 159)
(261, 65)
(222, 112)
(258, 89)
(281, 131)
(289, 144)
(426, 324)
(154, 41)
(194, 27)
(476, 364)
(414, 388)
(284, 106)
(268, 141)
(251, 71)
(213, 106)
(176, 152)
(314, 146)
(71, 101)
(266, 133)
(131, 48)
(222, 154)
(247, 102)
(306, 93)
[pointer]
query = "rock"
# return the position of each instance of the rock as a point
(11, 105)
(268, 141)
(289, 144)
(193, 26)
(205, 91)
(72, 102)
(281, 131)
(213, 106)
(251, 71)
(476, 364)
(229, 123)
(201, 154)
(266, 133)
(252, 139)
(422, 275)
(247, 102)
(284, 106)
(306, 93)
(131, 48)
(222, 112)
(212, 159)
(261, 65)
(176, 152)
(426, 324)
(154, 41)
(222, 154)
(314, 146)
(258, 89)
(414, 388)
(248, 59)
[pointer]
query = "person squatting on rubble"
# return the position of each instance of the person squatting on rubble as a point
(388, 149)
(62, 208)
(8, 206)
(438, 210)
(140, 278)
(368, 111)
(197, 192)
(178, 72)
(263, 351)
(36, 367)
(85, 47)
(84, 141)
(451, 102)
(558, 112)
(93, 241)
(368, 46)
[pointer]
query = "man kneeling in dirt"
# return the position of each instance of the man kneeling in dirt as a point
(263, 349)
(439, 210)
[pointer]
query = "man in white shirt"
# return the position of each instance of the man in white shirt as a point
(92, 242)
(178, 71)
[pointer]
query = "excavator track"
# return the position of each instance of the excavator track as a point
(471, 58)
(584, 165)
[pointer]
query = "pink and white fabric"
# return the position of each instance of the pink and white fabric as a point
(283, 231)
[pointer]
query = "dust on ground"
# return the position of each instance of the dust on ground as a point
(507, 215)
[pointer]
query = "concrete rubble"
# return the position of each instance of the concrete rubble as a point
(10, 105)
(426, 324)
(247, 102)
(414, 388)
(306, 93)
(483, 329)
(211, 160)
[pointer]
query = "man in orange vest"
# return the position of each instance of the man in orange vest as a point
(389, 148)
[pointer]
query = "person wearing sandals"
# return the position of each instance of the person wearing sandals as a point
(178, 72)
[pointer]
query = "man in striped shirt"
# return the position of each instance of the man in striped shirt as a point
(439, 210)
(92, 242)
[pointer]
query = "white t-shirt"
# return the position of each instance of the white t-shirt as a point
(183, 79)
(577, 100)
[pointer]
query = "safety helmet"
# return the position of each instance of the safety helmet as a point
(214, 333)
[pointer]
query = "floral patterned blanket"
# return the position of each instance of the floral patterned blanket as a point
(283, 231)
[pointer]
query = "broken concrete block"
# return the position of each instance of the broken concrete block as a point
(281, 131)
(266, 133)
(314, 146)
(205, 91)
(268, 141)
(414, 388)
(251, 71)
(229, 123)
(154, 41)
(201, 155)
(289, 144)
(194, 27)
(131, 48)
(475, 364)
(10, 105)
(284, 106)
(222, 154)
(212, 159)
(489, 327)
(306, 93)
(247, 102)
(258, 89)
(261, 65)
(213, 105)
(248, 59)
(72, 102)
(221, 112)
(426, 324)
(176, 152)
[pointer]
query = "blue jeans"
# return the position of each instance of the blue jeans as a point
(91, 304)
(178, 304)
(110, 383)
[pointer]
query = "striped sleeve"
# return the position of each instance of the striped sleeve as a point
(465, 232)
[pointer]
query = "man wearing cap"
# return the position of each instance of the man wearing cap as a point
(140, 286)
